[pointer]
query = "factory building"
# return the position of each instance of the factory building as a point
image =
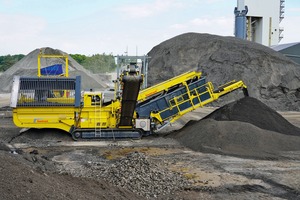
(290, 50)
(259, 21)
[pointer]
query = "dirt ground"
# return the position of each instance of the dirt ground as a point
(52, 159)
(4, 99)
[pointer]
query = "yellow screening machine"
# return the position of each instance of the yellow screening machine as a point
(59, 103)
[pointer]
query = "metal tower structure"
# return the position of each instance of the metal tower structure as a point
(240, 20)
(122, 61)
(261, 19)
(281, 17)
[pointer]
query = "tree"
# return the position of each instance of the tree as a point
(9, 60)
(78, 57)
(97, 63)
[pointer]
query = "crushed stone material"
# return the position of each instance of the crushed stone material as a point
(246, 128)
(255, 112)
(270, 76)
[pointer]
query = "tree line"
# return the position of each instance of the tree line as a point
(9, 60)
(97, 63)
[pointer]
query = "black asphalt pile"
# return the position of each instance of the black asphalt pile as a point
(270, 76)
(246, 128)
(140, 175)
(255, 112)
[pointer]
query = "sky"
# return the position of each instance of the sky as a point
(118, 26)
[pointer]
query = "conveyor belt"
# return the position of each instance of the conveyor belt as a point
(174, 102)
(131, 88)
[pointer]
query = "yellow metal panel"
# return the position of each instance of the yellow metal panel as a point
(156, 89)
(48, 117)
(53, 56)
(229, 88)
(178, 100)
(97, 116)
(63, 100)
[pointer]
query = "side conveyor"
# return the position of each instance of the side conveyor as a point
(187, 97)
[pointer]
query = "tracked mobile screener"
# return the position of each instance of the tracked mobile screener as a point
(59, 103)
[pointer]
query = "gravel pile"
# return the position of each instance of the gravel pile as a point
(135, 172)
(27, 66)
(235, 138)
(246, 128)
(270, 76)
(143, 177)
(255, 112)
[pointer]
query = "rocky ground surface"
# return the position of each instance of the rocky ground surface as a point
(45, 164)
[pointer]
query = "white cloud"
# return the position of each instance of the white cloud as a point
(214, 1)
(18, 32)
(200, 21)
(7, 2)
(19, 27)
(211, 1)
(217, 25)
(178, 26)
(291, 30)
(148, 9)
(209, 21)
(297, 9)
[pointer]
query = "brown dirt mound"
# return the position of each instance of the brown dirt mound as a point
(253, 111)
(19, 181)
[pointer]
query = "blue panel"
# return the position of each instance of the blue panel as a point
(240, 27)
(205, 96)
(197, 84)
(240, 23)
(163, 103)
(195, 101)
(52, 70)
(185, 105)
(168, 113)
(201, 89)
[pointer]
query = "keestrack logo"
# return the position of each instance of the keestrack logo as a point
(39, 120)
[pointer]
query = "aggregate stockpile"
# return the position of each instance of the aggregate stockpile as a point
(28, 67)
(246, 128)
(270, 77)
